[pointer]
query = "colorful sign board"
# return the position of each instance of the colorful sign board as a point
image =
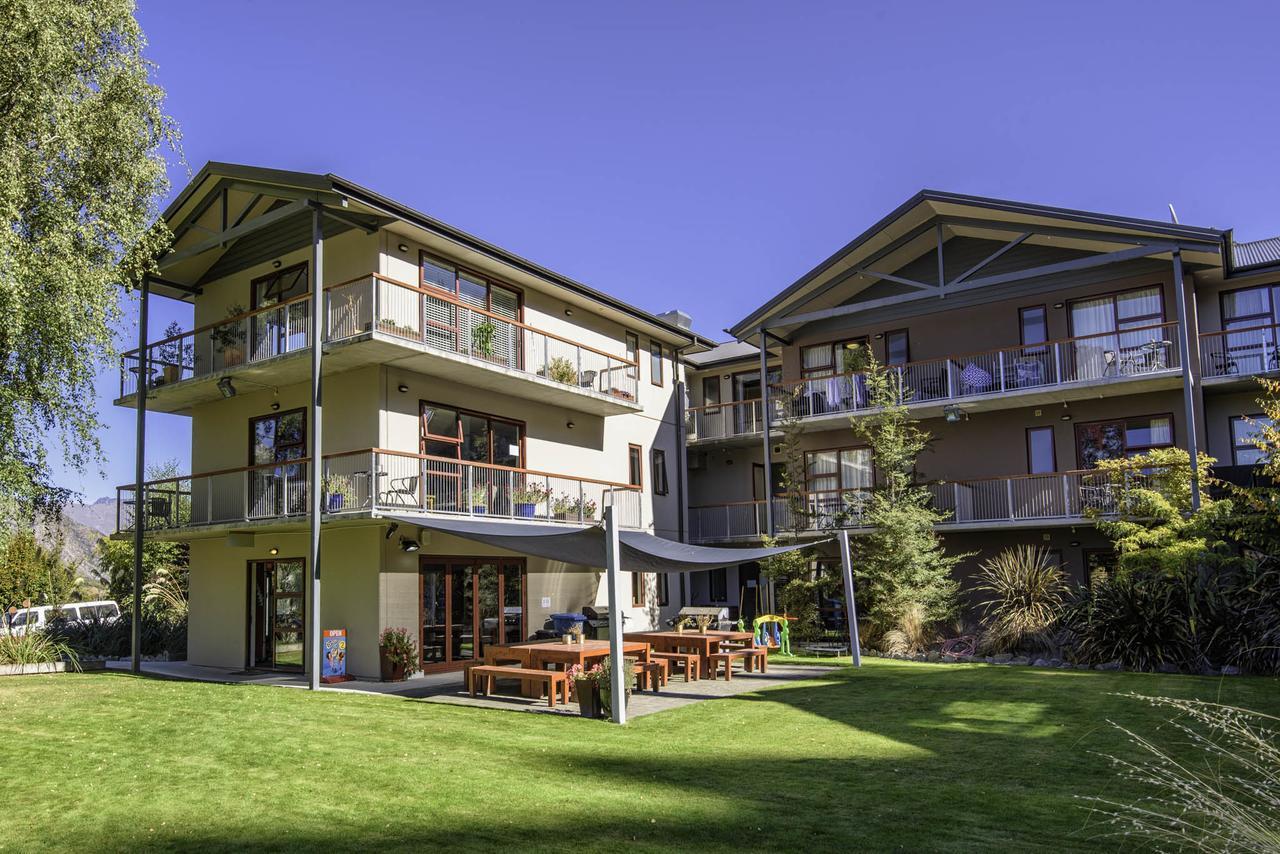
(333, 661)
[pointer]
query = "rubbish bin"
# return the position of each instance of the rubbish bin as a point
(565, 623)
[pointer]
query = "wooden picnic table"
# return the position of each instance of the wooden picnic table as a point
(703, 643)
(538, 654)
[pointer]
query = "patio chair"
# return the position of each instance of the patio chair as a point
(402, 491)
(1028, 372)
(587, 379)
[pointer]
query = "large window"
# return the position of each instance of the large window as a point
(451, 327)
(1108, 344)
(471, 436)
(655, 362)
(635, 470)
(276, 490)
(1247, 307)
(633, 355)
(711, 391)
(838, 470)
(1245, 433)
(1041, 458)
(820, 360)
(658, 458)
(1034, 327)
(897, 350)
(1109, 440)
(1255, 312)
(279, 286)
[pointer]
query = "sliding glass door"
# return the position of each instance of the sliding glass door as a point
(468, 604)
(1106, 341)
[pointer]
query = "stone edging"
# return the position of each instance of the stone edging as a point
(32, 669)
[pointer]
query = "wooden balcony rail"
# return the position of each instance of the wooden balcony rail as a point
(1128, 353)
(376, 480)
(724, 420)
(1240, 352)
(1018, 498)
(372, 302)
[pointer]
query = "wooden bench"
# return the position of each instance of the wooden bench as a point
(756, 656)
(650, 675)
(715, 659)
(556, 681)
(689, 660)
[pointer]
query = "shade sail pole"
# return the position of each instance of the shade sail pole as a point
(850, 606)
(613, 554)
(140, 474)
(316, 465)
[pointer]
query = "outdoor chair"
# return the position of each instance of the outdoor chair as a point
(1028, 372)
(402, 491)
(587, 379)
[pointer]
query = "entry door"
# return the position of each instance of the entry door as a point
(468, 604)
(277, 614)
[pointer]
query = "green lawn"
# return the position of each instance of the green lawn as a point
(893, 756)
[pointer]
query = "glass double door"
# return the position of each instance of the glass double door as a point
(277, 613)
(468, 604)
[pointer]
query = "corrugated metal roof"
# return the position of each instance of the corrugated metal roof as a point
(1255, 253)
(726, 352)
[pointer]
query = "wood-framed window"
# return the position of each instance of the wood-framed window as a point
(1122, 437)
(897, 347)
(658, 460)
(1033, 327)
(1099, 565)
(1042, 457)
(838, 470)
(711, 391)
(278, 286)
(450, 324)
(470, 288)
(663, 589)
(637, 589)
(633, 355)
(635, 466)
(820, 360)
(1115, 312)
(278, 437)
(461, 434)
(655, 362)
(1244, 308)
(1244, 433)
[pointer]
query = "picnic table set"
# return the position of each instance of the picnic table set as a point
(549, 667)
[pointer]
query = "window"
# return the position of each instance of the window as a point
(1248, 307)
(1034, 325)
(655, 362)
(1255, 312)
(278, 437)
(820, 360)
(637, 589)
(278, 490)
(1041, 458)
(710, 391)
(1098, 316)
(1244, 437)
(838, 470)
(718, 582)
(661, 578)
(447, 431)
(278, 286)
(896, 349)
(658, 458)
(635, 476)
(451, 322)
(1109, 440)
(1099, 565)
(633, 355)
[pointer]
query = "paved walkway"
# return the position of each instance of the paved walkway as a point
(448, 687)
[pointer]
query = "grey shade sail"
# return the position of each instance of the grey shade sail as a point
(586, 546)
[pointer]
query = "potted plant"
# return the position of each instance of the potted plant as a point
(397, 654)
(174, 354)
(704, 622)
(527, 498)
(482, 338)
(586, 688)
(480, 500)
(562, 506)
(340, 491)
(229, 337)
(582, 508)
(561, 370)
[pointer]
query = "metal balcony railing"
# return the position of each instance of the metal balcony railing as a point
(724, 420)
(1240, 352)
(1140, 352)
(375, 480)
(1042, 497)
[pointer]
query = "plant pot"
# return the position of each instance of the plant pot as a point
(232, 356)
(479, 509)
(606, 701)
(172, 373)
(391, 671)
(335, 503)
(588, 694)
(526, 511)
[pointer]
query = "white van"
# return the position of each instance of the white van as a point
(73, 612)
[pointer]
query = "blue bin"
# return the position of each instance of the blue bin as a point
(565, 623)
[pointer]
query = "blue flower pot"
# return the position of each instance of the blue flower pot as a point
(526, 511)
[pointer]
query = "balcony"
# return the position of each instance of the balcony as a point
(1127, 362)
(367, 483)
(1234, 357)
(1033, 500)
(725, 423)
(376, 320)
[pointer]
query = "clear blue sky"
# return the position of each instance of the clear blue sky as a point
(704, 155)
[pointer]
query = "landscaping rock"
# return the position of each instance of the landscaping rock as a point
(1166, 667)
(1042, 662)
(919, 656)
(1110, 665)
(934, 656)
(873, 653)
(1021, 661)
(1002, 658)
(1084, 667)
(1230, 670)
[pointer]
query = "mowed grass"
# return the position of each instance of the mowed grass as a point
(894, 756)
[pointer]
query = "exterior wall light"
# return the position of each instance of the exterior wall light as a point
(409, 546)
(403, 247)
(403, 388)
(568, 312)
(954, 414)
(273, 551)
(225, 386)
(569, 424)
(276, 263)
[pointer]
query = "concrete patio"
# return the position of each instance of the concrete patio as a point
(448, 688)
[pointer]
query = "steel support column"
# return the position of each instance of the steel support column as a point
(850, 605)
(764, 429)
(613, 574)
(140, 473)
(1188, 377)
(317, 446)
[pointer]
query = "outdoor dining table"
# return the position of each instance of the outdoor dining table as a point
(703, 643)
(538, 654)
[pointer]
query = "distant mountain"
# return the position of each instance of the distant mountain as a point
(80, 529)
(100, 515)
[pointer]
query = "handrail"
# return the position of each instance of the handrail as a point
(955, 357)
(218, 472)
(707, 406)
(1219, 332)
(226, 321)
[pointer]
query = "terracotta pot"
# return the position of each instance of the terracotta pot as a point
(391, 671)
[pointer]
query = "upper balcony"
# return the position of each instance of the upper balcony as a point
(1033, 500)
(365, 484)
(1127, 362)
(1234, 357)
(737, 422)
(377, 320)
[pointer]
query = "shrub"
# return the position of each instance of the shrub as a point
(1237, 616)
(1225, 798)
(911, 634)
(1140, 619)
(113, 638)
(35, 648)
(1025, 593)
(399, 648)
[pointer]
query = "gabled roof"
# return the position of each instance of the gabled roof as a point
(905, 234)
(264, 191)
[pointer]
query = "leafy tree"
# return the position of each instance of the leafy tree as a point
(901, 562)
(1146, 511)
(82, 131)
(28, 570)
(162, 563)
